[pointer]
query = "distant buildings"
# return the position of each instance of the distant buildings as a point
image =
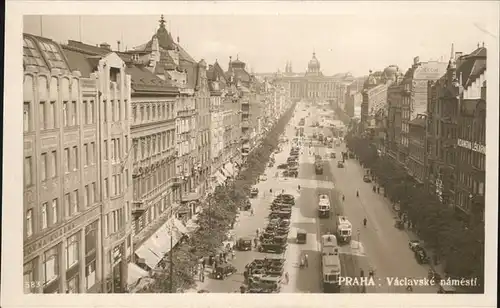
(312, 85)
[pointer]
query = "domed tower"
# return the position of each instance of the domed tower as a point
(390, 73)
(370, 82)
(313, 66)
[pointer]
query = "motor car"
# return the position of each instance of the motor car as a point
(263, 178)
(333, 155)
(340, 164)
(366, 178)
(282, 166)
(254, 192)
(414, 245)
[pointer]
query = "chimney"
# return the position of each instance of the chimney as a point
(118, 45)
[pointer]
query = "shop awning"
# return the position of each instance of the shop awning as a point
(180, 226)
(154, 248)
(220, 178)
(230, 168)
(135, 273)
(150, 258)
(191, 224)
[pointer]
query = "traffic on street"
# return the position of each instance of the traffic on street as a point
(331, 198)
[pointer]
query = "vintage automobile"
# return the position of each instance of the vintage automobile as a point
(271, 246)
(246, 205)
(223, 270)
(366, 178)
(291, 159)
(421, 256)
(263, 178)
(340, 164)
(282, 166)
(254, 192)
(333, 155)
(244, 244)
(414, 245)
(266, 283)
(301, 236)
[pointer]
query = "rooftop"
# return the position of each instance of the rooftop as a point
(43, 53)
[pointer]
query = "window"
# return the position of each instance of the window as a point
(113, 185)
(67, 202)
(75, 201)
(50, 266)
(106, 188)
(54, 211)
(86, 196)
(75, 155)
(85, 112)
(118, 149)
(67, 159)
(28, 171)
(53, 115)
(90, 274)
(53, 164)
(44, 215)
(72, 251)
(92, 112)
(27, 117)
(85, 154)
(113, 112)
(73, 113)
(73, 285)
(92, 153)
(113, 150)
(93, 195)
(119, 110)
(65, 114)
(43, 166)
(106, 150)
(105, 111)
(29, 223)
(43, 115)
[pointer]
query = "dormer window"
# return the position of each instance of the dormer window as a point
(114, 74)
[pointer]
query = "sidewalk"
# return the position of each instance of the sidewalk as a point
(246, 224)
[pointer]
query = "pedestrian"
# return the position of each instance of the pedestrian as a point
(362, 273)
(251, 211)
(378, 190)
(255, 242)
(343, 198)
(270, 189)
(224, 257)
(306, 261)
(282, 191)
(286, 278)
(233, 255)
(257, 232)
(203, 263)
(202, 277)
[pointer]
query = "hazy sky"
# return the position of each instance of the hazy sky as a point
(355, 42)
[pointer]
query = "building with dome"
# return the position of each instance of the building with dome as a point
(311, 85)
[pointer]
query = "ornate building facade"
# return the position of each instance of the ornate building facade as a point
(312, 85)
(456, 133)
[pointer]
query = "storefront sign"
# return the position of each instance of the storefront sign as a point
(430, 70)
(476, 147)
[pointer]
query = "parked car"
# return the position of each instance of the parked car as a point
(340, 164)
(254, 192)
(282, 166)
(414, 245)
(333, 155)
(263, 178)
(366, 178)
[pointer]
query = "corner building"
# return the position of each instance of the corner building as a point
(76, 226)
(456, 134)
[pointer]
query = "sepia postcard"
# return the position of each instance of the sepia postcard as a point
(266, 154)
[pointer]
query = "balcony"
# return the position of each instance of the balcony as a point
(138, 208)
(176, 182)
